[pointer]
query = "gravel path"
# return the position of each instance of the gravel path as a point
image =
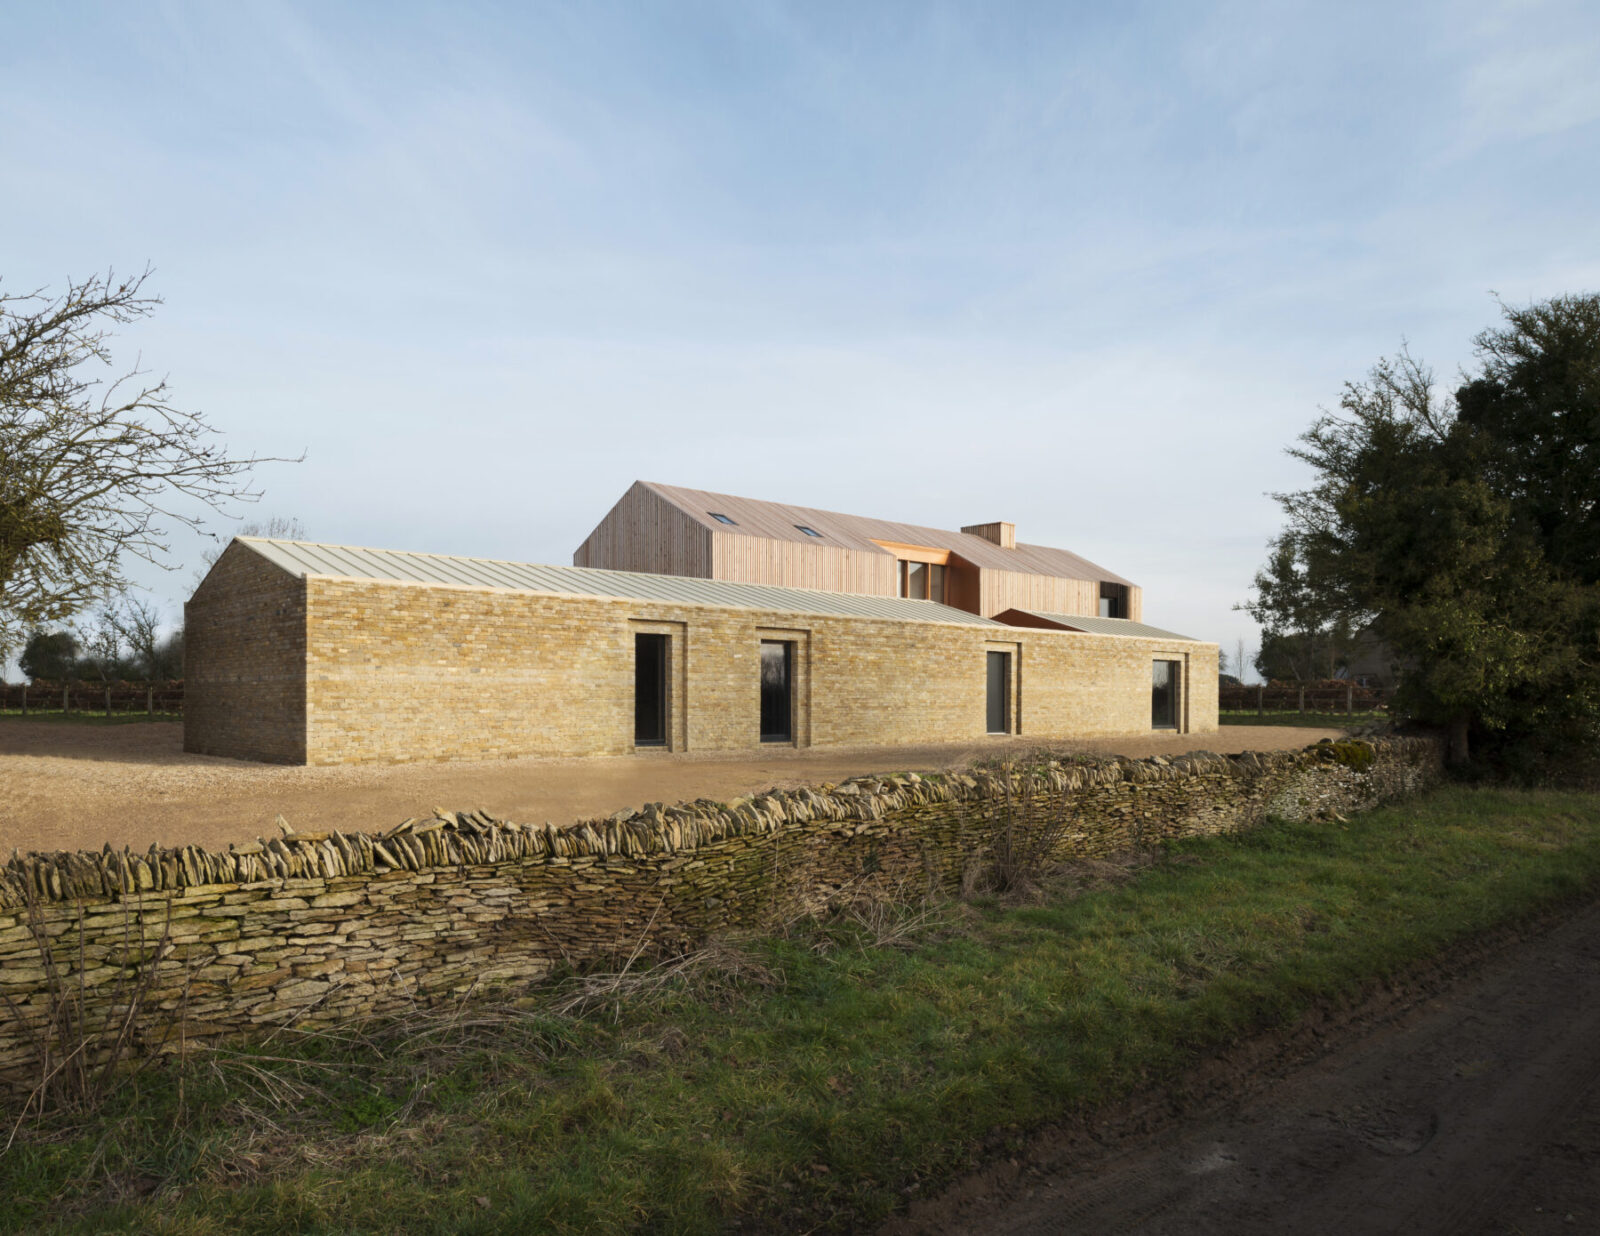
(80, 786)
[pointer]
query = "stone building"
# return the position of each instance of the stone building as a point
(324, 654)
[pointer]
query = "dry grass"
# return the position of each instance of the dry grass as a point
(78, 1054)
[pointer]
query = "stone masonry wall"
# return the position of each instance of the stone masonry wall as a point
(318, 928)
(244, 661)
(399, 671)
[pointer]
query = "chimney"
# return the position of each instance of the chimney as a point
(1002, 534)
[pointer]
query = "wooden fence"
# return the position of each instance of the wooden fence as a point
(1310, 697)
(105, 699)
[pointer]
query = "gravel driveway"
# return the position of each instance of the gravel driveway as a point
(65, 787)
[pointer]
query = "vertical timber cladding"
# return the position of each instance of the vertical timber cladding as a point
(406, 671)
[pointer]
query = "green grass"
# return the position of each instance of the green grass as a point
(808, 1082)
(1330, 720)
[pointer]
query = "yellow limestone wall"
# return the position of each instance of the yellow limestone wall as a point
(244, 662)
(400, 671)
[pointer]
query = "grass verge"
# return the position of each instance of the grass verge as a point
(812, 1080)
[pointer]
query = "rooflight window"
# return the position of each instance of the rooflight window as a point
(809, 531)
(722, 519)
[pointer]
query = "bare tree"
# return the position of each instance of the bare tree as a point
(91, 468)
(139, 625)
(102, 645)
(1239, 661)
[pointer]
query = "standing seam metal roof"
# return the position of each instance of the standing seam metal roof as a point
(307, 558)
(1094, 625)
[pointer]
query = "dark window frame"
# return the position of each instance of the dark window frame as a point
(1173, 695)
(809, 531)
(661, 690)
(773, 735)
(989, 708)
(723, 519)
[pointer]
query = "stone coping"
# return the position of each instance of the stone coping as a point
(454, 839)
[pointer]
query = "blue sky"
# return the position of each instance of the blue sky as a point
(1085, 267)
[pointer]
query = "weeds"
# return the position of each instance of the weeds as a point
(720, 971)
(77, 1051)
(1028, 841)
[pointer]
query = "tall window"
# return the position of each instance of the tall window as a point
(650, 690)
(777, 690)
(999, 693)
(1164, 682)
(1113, 600)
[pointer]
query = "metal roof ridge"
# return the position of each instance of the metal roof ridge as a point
(1098, 620)
(830, 600)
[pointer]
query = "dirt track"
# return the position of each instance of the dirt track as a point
(79, 786)
(1477, 1111)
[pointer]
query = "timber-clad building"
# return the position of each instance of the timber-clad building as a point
(691, 621)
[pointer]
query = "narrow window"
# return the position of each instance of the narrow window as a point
(1164, 695)
(721, 519)
(936, 584)
(809, 531)
(1113, 601)
(650, 690)
(777, 693)
(999, 693)
(917, 581)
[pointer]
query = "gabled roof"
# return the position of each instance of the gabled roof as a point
(309, 558)
(778, 521)
(1091, 624)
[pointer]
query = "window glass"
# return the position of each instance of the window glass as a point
(1164, 695)
(936, 584)
(917, 581)
(999, 693)
(650, 690)
(777, 697)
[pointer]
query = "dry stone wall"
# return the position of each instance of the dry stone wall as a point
(315, 928)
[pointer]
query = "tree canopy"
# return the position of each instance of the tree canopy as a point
(92, 467)
(1463, 532)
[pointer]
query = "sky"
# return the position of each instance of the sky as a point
(1088, 268)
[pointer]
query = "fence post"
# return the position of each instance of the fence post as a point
(108, 703)
(1302, 699)
(1350, 698)
(25, 698)
(66, 699)
(150, 702)
(1261, 697)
